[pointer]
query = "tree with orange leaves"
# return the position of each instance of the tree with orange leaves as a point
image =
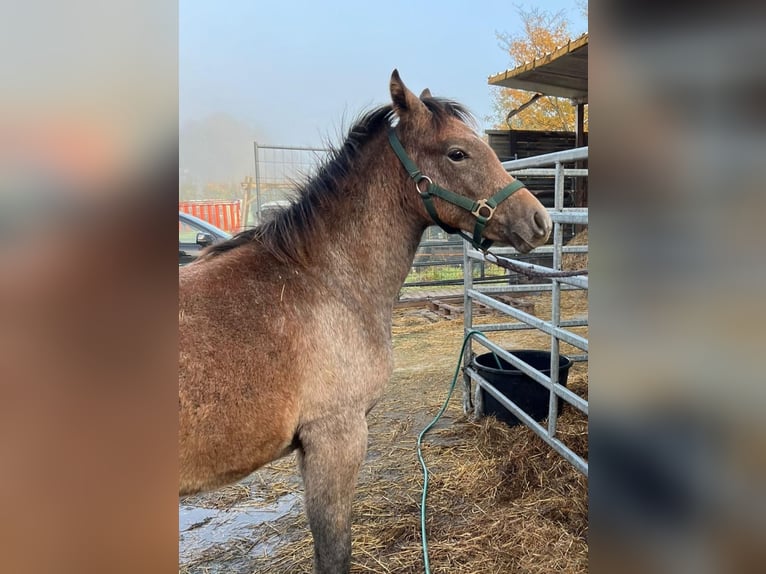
(543, 32)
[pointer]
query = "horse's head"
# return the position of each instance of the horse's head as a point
(457, 173)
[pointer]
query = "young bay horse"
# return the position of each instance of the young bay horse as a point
(285, 329)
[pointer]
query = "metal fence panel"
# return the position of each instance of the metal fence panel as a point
(557, 329)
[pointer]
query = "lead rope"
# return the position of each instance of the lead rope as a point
(527, 269)
(429, 426)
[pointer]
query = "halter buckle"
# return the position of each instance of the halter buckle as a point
(482, 204)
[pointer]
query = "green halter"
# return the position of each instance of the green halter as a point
(481, 209)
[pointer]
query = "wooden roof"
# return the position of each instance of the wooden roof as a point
(562, 73)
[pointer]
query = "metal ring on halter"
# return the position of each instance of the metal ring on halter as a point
(421, 178)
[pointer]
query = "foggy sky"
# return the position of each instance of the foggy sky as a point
(297, 72)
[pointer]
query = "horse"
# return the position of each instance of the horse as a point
(285, 329)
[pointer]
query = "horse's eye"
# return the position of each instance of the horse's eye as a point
(457, 155)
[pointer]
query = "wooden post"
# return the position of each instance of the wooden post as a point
(581, 193)
(247, 186)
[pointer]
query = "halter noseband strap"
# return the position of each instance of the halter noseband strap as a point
(482, 209)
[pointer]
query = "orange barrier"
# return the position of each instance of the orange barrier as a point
(223, 213)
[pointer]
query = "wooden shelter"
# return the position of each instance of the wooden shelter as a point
(561, 73)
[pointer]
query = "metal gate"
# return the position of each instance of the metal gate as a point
(557, 329)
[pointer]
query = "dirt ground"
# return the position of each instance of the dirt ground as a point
(500, 500)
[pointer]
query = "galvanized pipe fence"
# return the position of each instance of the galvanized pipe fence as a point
(277, 169)
(559, 330)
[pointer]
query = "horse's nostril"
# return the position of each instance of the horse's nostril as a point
(542, 226)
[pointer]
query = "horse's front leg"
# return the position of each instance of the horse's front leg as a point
(331, 453)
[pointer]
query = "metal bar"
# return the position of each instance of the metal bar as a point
(447, 282)
(257, 183)
(578, 462)
(521, 288)
(564, 156)
(467, 325)
(564, 335)
(549, 171)
(294, 148)
(506, 327)
(574, 215)
(574, 358)
(543, 249)
(457, 243)
(437, 263)
(558, 205)
(577, 215)
(520, 326)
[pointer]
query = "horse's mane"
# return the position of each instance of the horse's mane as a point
(282, 235)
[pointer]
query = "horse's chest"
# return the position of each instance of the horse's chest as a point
(351, 363)
(362, 358)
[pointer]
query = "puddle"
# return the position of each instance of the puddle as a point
(201, 529)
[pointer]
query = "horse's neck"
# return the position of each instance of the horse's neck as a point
(375, 231)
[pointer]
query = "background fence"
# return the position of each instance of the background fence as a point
(278, 172)
(223, 213)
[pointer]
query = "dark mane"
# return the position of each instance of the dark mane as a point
(282, 234)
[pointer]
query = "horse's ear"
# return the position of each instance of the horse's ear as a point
(425, 94)
(405, 102)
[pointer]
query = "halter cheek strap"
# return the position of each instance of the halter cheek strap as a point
(481, 209)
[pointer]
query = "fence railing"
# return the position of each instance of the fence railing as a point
(223, 213)
(557, 329)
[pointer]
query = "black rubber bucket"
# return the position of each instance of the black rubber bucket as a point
(522, 389)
